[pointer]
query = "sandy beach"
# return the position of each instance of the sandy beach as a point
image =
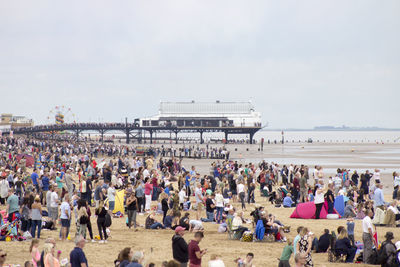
(157, 243)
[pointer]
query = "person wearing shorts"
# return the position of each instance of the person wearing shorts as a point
(54, 205)
(199, 201)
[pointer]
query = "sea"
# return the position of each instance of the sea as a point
(301, 136)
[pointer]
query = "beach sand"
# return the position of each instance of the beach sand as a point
(157, 243)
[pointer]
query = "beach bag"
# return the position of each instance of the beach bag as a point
(108, 221)
(27, 235)
(247, 237)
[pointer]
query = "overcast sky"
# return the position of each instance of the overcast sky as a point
(302, 63)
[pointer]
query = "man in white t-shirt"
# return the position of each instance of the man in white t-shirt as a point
(241, 193)
(368, 237)
(54, 205)
(65, 216)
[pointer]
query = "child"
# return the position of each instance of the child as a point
(350, 230)
(286, 254)
(34, 250)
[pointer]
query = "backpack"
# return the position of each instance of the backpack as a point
(108, 221)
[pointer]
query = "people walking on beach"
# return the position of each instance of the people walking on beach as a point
(101, 213)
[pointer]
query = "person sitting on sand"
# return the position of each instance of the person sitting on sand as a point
(287, 201)
(271, 227)
(247, 261)
(324, 242)
(152, 223)
(125, 257)
(237, 223)
(137, 259)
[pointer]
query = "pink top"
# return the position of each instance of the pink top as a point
(148, 188)
(36, 258)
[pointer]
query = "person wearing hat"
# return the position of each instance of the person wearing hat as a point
(390, 251)
(180, 247)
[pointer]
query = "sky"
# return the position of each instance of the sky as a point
(301, 63)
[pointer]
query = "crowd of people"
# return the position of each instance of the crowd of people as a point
(67, 185)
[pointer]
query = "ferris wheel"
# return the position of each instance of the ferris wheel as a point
(61, 115)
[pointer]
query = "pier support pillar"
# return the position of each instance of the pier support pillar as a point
(251, 137)
(151, 136)
(226, 137)
(201, 137)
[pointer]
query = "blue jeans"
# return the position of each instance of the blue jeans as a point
(210, 217)
(157, 225)
(35, 223)
(220, 210)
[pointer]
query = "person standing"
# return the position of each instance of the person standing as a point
(53, 205)
(199, 201)
(240, 190)
(139, 192)
(379, 200)
(304, 246)
(318, 201)
(98, 193)
(286, 254)
(4, 187)
(101, 222)
(69, 182)
(368, 237)
(77, 257)
(195, 254)
(303, 187)
(45, 186)
(111, 198)
(390, 251)
(330, 198)
(65, 216)
(219, 204)
(12, 205)
(36, 217)
(35, 178)
(132, 207)
(50, 260)
(148, 189)
(180, 247)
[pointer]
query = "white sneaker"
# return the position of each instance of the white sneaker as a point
(101, 242)
(105, 241)
(93, 241)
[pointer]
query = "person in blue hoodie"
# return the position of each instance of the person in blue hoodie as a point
(287, 201)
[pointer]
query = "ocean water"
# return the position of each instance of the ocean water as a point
(303, 136)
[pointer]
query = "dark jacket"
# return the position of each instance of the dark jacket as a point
(324, 242)
(342, 246)
(180, 249)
